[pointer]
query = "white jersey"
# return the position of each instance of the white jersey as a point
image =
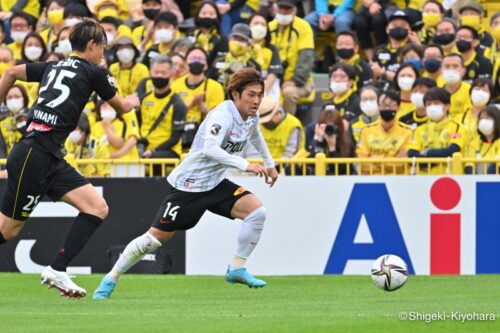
(220, 138)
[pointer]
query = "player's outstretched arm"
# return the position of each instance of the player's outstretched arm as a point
(10, 76)
(124, 104)
(259, 143)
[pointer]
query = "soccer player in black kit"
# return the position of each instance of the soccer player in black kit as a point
(36, 164)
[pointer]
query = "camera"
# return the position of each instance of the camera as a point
(331, 129)
(141, 145)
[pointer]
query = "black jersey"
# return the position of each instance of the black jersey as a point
(65, 88)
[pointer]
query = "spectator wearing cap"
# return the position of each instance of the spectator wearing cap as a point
(207, 34)
(165, 30)
(385, 61)
(418, 116)
(74, 13)
(127, 71)
(239, 55)
(236, 11)
(471, 14)
(432, 13)
(347, 46)
(140, 34)
(445, 35)
(55, 16)
(337, 15)
(476, 65)
(29, 7)
(345, 96)
(21, 25)
(295, 41)
(495, 54)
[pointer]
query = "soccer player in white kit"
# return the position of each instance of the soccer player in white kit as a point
(198, 183)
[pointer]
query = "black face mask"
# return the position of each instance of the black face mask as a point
(444, 39)
(270, 125)
(398, 33)
(160, 82)
(151, 13)
(345, 53)
(388, 114)
(196, 68)
(206, 22)
(432, 65)
(463, 45)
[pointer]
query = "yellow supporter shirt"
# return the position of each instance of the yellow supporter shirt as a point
(32, 7)
(460, 101)
(481, 149)
(358, 125)
(404, 108)
(16, 50)
(10, 133)
(277, 138)
(121, 129)
(128, 79)
(92, 149)
(214, 95)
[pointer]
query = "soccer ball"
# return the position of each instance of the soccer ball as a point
(389, 272)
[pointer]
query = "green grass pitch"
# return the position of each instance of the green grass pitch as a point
(153, 303)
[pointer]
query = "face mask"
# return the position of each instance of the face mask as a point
(3, 67)
(259, 32)
(495, 32)
(435, 112)
(388, 115)
(238, 48)
(196, 68)
(207, 22)
(151, 13)
(444, 39)
(432, 65)
(284, 19)
(33, 52)
(398, 33)
(431, 19)
(108, 114)
(270, 125)
(480, 97)
(471, 21)
(345, 53)
(14, 104)
(18, 36)
(125, 55)
(415, 62)
(110, 37)
(464, 45)
(160, 82)
(107, 12)
(72, 21)
(369, 108)
(21, 126)
(338, 87)
(451, 77)
(64, 47)
(486, 126)
(75, 136)
(55, 16)
(417, 99)
(164, 36)
(406, 83)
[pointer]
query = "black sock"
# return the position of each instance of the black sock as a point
(78, 235)
(2, 240)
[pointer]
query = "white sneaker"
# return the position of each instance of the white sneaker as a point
(62, 282)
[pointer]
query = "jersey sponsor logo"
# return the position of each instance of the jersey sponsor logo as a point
(215, 129)
(38, 127)
(45, 117)
(232, 147)
(187, 183)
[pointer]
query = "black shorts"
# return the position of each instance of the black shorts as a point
(182, 210)
(32, 173)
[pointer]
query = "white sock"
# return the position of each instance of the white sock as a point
(133, 253)
(248, 237)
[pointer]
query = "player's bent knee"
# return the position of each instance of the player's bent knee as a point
(257, 218)
(99, 209)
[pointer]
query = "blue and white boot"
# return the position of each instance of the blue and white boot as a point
(105, 289)
(241, 275)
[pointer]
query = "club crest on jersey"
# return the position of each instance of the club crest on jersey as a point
(215, 129)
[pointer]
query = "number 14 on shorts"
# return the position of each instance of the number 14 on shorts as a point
(169, 212)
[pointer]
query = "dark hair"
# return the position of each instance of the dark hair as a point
(434, 46)
(441, 8)
(481, 82)
(199, 49)
(473, 31)
(84, 32)
(111, 20)
(217, 12)
(457, 55)
(329, 116)
(412, 47)
(453, 23)
(29, 19)
(350, 34)
(348, 69)
(424, 82)
(403, 66)
(241, 79)
(76, 9)
(437, 94)
(267, 39)
(392, 95)
(40, 39)
(494, 112)
(61, 3)
(84, 124)
(23, 93)
(372, 88)
(168, 17)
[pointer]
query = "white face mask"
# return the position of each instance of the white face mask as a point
(338, 87)
(480, 97)
(417, 99)
(125, 55)
(108, 114)
(451, 76)
(259, 32)
(164, 36)
(14, 104)
(75, 136)
(21, 125)
(19, 36)
(284, 19)
(486, 126)
(33, 52)
(435, 112)
(110, 37)
(64, 47)
(72, 21)
(406, 83)
(369, 108)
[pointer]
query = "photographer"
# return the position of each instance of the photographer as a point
(332, 137)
